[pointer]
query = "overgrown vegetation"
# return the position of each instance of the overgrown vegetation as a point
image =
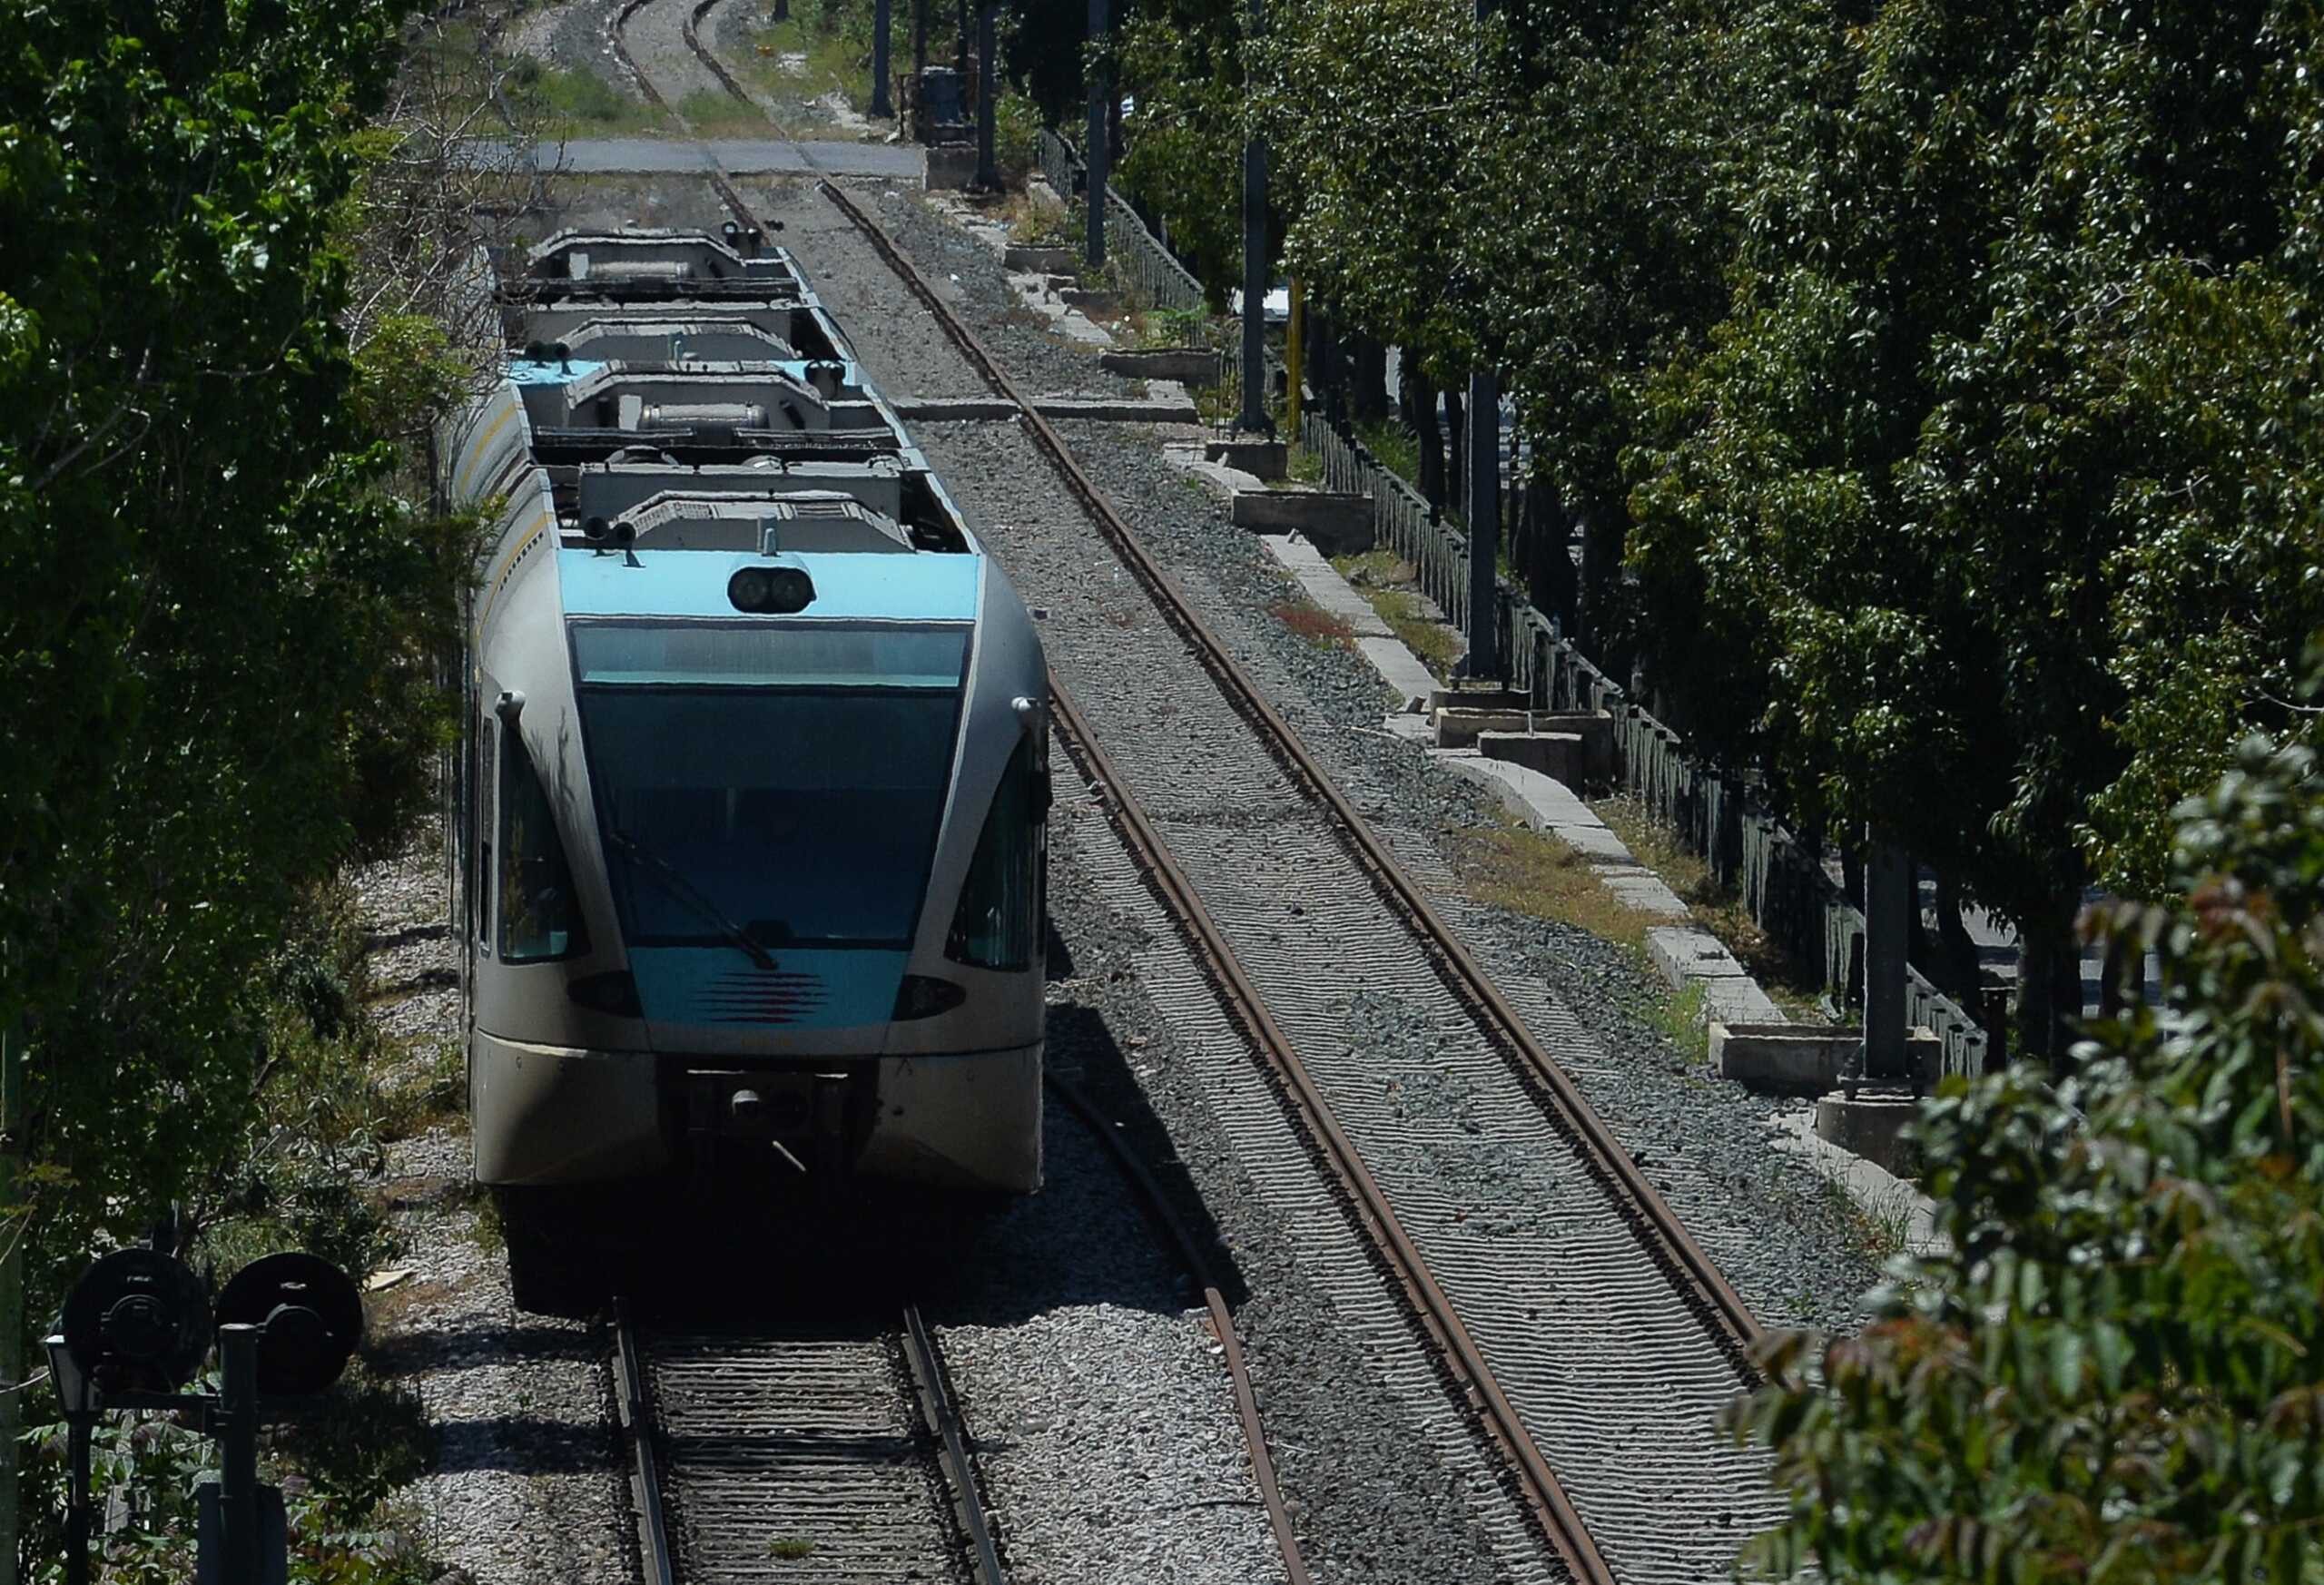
(1924, 381)
(1390, 586)
(2108, 1372)
(229, 319)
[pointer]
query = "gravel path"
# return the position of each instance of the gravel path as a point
(527, 1488)
(656, 39)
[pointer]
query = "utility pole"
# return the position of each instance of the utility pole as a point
(1484, 525)
(988, 90)
(1254, 417)
(883, 16)
(1095, 150)
(1890, 887)
(1483, 505)
(1295, 357)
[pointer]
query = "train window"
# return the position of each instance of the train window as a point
(540, 920)
(998, 923)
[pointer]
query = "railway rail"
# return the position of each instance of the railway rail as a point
(830, 1454)
(1635, 1264)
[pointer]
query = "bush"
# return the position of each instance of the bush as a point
(2112, 1374)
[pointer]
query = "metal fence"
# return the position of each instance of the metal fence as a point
(1148, 266)
(1784, 887)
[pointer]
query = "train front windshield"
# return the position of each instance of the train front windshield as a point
(764, 785)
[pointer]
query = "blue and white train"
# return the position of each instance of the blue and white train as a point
(751, 816)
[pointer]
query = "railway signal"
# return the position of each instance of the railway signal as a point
(135, 1330)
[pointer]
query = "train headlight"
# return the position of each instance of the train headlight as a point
(775, 591)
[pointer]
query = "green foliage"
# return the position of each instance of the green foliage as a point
(218, 622)
(1182, 152)
(1990, 513)
(2110, 1375)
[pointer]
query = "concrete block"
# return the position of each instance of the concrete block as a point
(1595, 764)
(1122, 409)
(1682, 954)
(1780, 1059)
(1739, 999)
(1460, 726)
(1642, 890)
(1401, 669)
(1266, 460)
(948, 409)
(1872, 1125)
(1090, 300)
(1041, 260)
(952, 167)
(1556, 754)
(1336, 525)
(1186, 365)
(1462, 696)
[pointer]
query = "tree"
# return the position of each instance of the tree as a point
(2109, 1374)
(217, 622)
(1939, 529)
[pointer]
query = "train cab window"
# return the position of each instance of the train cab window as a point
(540, 919)
(998, 923)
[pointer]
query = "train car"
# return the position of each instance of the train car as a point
(751, 814)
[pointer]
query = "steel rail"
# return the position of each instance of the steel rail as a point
(1464, 975)
(943, 1420)
(1222, 1319)
(634, 1395)
(1470, 1376)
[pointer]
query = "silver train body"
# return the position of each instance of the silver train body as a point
(750, 811)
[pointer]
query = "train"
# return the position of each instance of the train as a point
(749, 815)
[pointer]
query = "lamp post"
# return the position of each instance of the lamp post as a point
(1254, 416)
(1095, 150)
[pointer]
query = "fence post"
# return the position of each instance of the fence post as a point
(1254, 416)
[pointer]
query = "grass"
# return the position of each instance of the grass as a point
(1681, 1018)
(828, 64)
(1302, 466)
(1312, 623)
(579, 103)
(1719, 909)
(1391, 586)
(1531, 873)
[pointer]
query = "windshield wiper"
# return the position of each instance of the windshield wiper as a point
(674, 881)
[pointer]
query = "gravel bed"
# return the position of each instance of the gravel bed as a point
(571, 35)
(1766, 1216)
(527, 1488)
(1104, 1420)
(657, 44)
(1381, 1485)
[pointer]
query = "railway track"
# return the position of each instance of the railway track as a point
(1590, 1349)
(823, 1454)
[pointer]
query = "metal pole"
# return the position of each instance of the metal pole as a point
(79, 1430)
(919, 40)
(988, 90)
(1484, 525)
(1094, 150)
(883, 16)
(1889, 885)
(1254, 416)
(12, 1281)
(238, 1451)
(961, 42)
(1295, 357)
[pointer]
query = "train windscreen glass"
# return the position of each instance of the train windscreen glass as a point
(764, 785)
